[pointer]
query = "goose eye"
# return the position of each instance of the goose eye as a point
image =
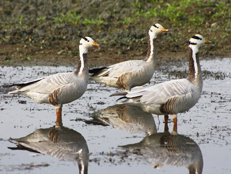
(150, 30)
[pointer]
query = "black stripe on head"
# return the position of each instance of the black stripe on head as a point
(192, 43)
(86, 39)
(196, 37)
(154, 25)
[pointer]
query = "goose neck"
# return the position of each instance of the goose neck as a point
(82, 65)
(194, 74)
(151, 55)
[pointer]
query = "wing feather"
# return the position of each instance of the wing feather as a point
(162, 92)
(50, 83)
(123, 67)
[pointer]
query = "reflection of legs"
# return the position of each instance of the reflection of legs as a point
(174, 118)
(53, 134)
(59, 116)
(165, 122)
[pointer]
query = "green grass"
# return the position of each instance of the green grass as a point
(74, 18)
(223, 11)
(70, 17)
(41, 20)
(92, 21)
(192, 13)
(127, 20)
(182, 12)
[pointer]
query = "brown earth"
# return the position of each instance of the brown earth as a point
(29, 35)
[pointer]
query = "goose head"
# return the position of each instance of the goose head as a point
(155, 30)
(197, 41)
(86, 43)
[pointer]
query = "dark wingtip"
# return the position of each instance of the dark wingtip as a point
(119, 94)
(96, 71)
(121, 98)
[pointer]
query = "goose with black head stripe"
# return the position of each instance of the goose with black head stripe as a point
(61, 88)
(175, 96)
(128, 74)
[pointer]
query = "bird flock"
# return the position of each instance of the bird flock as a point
(167, 98)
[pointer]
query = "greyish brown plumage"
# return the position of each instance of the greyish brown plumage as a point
(128, 74)
(175, 96)
(61, 88)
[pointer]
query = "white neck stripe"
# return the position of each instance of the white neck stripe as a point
(151, 50)
(194, 51)
(82, 50)
(82, 64)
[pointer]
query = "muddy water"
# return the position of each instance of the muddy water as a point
(103, 128)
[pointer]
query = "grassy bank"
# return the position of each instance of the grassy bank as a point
(51, 30)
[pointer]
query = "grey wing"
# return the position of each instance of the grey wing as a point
(23, 84)
(160, 93)
(50, 83)
(120, 68)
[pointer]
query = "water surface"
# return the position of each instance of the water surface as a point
(207, 124)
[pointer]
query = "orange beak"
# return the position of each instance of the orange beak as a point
(164, 29)
(208, 42)
(95, 44)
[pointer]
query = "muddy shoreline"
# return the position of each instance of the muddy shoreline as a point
(96, 57)
(30, 33)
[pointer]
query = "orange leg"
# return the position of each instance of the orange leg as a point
(165, 122)
(59, 117)
(174, 118)
(175, 124)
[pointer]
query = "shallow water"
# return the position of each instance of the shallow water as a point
(207, 124)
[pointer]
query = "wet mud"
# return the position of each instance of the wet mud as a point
(119, 138)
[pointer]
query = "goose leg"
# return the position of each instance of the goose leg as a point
(54, 132)
(59, 116)
(174, 117)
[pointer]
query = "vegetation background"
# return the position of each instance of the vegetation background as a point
(47, 32)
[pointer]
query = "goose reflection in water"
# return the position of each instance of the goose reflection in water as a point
(169, 149)
(59, 142)
(127, 118)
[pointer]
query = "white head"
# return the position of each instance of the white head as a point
(155, 30)
(86, 43)
(197, 41)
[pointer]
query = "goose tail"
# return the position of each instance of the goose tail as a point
(20, 85)
(119, 94)
(96, 71)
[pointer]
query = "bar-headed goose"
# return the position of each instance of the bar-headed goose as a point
(61, 88)
(130, 73)
(175, 96)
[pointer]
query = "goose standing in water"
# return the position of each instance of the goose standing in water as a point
(175, 96)
(128, 74)
(61, 88)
